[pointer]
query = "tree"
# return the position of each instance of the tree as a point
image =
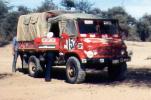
(23, 10)
(10, 24)
(99, 12)
(120, 14)
(144, 28)
(46, 6)
(83, 5)
(95, 11)
(68, 4)
(9, 19)
(3, 9)
(3, 12)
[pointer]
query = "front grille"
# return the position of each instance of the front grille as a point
(106, 51)
(109, 51)
(116, 51)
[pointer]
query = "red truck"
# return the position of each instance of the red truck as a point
(78, 40)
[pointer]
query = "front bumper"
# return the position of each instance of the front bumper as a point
(106, 60)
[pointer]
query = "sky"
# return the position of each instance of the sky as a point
(135, 8)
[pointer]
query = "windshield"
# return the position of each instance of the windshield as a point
(98, 26)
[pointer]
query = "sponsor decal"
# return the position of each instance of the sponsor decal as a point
(70, 43)
(48, 40)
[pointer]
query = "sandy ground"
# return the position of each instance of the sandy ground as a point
(137, 86)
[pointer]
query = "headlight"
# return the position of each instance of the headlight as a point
(95, 52)
(89, 54)
(123, 52)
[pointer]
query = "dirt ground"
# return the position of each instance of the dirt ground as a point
(137, 86)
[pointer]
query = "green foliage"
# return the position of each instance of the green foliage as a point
(119, 13)
(46, 6)
(3, 9)
(9, 19)
(68, 4)
(83, 5)
(22, 10)
(96, 11)
(3, 13)
(144, 28)
(80, 5)
(10, 24)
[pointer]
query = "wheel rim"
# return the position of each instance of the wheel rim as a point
(71, 71)
(32, 67)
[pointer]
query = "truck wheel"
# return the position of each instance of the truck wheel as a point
(117, 72)
(33, 66)
(75, 74)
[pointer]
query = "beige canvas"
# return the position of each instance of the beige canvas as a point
(31, 26)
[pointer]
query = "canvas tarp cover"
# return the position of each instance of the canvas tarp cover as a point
(31, 26)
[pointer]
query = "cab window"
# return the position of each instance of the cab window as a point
(55, 29)
(71, 28)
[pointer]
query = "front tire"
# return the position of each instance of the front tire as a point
(75, 74)
(117, 72)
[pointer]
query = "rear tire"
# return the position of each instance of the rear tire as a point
(117, 72)
(75, 74)
(33, 66)
(25, 62)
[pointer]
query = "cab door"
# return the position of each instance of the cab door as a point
(68, 36)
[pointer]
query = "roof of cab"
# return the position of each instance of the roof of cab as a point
(74, 16)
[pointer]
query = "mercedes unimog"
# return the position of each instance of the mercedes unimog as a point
(79, 41)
